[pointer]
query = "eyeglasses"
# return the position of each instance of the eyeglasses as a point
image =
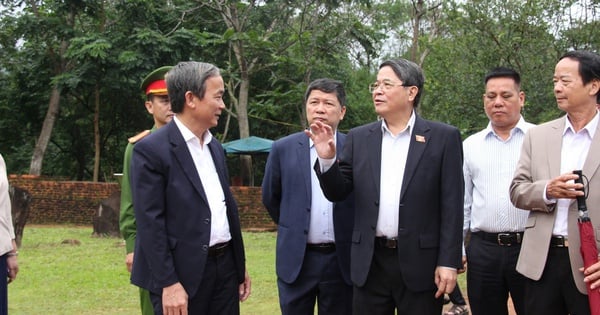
(384, 85)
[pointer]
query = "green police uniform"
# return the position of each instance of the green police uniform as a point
(152, 84)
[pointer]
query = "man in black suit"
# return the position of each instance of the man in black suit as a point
(189, 250)
(406, 174)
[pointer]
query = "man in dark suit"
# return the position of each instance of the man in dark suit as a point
(406, 174)
(313, 235)
(189, 250)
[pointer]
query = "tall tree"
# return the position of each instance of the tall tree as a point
(260, 34)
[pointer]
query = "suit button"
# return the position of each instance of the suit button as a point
(205, 248)
(206, 221)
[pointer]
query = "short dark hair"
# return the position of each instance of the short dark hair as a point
(410, 73)
(327, 86)
(589, 64)
(188, 76)
(503, 72)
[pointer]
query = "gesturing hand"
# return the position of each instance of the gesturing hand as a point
(322, 136)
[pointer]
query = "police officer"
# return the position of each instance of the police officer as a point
(158, 105)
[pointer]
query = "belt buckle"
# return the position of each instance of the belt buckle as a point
(391, 242)
(564, 242)
(501, 236)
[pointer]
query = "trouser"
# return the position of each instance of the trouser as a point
(218, 294)
(385, 290)
(320, 281)
(555, 293)
(3, 286)
(492, 275)
(456, 296)
(145, 302)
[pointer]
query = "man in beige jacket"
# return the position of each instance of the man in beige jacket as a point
(543, 184)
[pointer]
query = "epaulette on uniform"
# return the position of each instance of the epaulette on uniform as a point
(138, 137)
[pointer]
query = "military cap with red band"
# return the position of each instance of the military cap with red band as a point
(154, 83)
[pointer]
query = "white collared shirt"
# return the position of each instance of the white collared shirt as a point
(489, 166)
(209, 178)
(321, 210)
(394, 152)
(7, 232)
(574, 151)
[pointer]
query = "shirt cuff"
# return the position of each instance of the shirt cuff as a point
(546, 200)
(326, 164)
(449, 268)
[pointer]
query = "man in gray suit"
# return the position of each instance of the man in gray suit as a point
(543, 184)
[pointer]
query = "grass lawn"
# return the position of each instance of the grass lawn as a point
(91, 278)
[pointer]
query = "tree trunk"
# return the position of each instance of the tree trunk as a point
(417, 14)
(20, 199)
(97, 134)
(42, 143)
(244, 125)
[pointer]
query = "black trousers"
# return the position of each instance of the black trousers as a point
(492, 275)
(218, 293)
(3, 286)
(555, 293)
(385, 291)
(456, 296)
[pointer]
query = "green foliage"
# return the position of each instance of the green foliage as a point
(284, 45)
(481, 35)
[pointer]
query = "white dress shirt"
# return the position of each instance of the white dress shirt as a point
(205, 167)
(321, 210)
(488, 168)
(7, 232)
(394, 151)
(574, 151)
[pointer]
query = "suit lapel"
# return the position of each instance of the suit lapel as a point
(218, 155)
(553, 154)
(303, 155)
(415, 151)
(592, 162)
(374, 138)
(184, 158)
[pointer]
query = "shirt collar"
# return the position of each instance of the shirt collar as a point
(590, 127)
(188, 135)
(521, 126)
(409, 125)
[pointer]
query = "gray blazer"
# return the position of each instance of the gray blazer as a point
(540, 162)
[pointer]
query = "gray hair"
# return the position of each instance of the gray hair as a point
(410, 74)
(188, 76)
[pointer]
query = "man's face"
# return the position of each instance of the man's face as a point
(160, 108)
(571, 94)
(392, 97)
(324, 107)
(502, 102)
(209, 108)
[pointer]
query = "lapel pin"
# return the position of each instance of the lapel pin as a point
(420, 138)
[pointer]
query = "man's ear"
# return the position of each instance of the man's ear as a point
(189, 98)
(149, 107)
